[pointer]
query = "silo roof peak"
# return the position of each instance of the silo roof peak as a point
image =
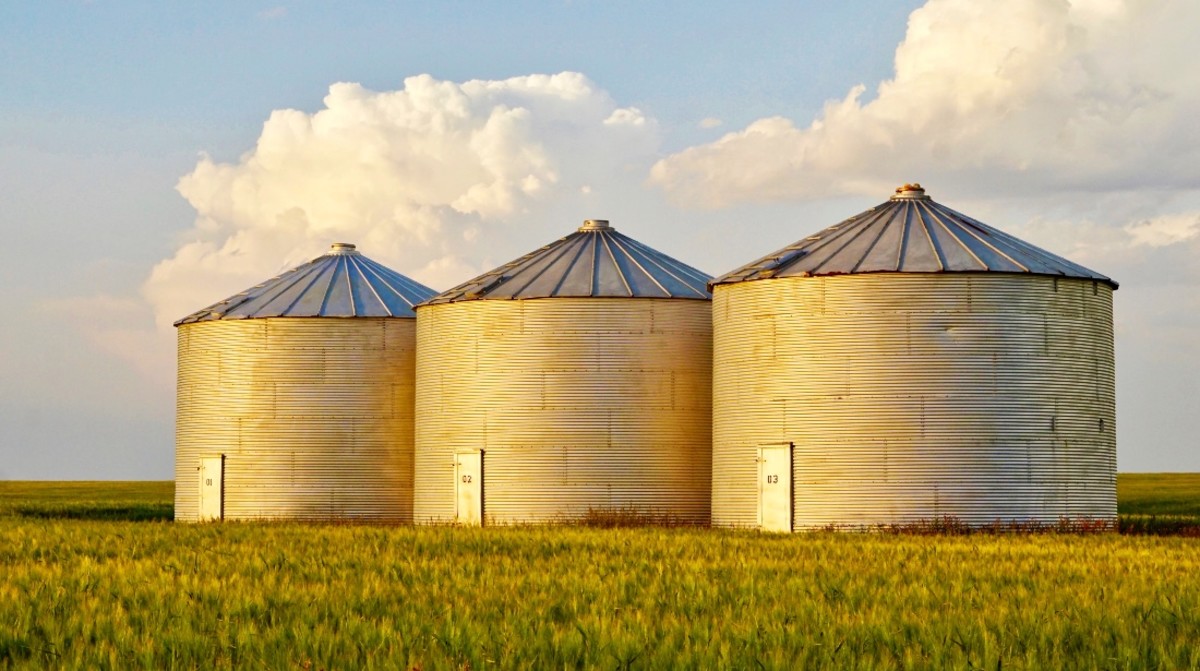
(595, 225)
(910, 192)
(909, 233)
(339, 283)
(594, 261)
(343, 248)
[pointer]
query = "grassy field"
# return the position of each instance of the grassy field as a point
(1175, 494)
(118, 501)
(93, 575)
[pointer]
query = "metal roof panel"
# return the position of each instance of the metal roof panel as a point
(594, 261)
(910, 233)
(339, 283)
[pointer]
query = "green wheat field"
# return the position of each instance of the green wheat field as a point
(95, 575)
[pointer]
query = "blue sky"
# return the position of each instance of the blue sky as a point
(217, 67)
(713, 131)
(112, 102)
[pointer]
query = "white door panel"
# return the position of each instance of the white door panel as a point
(468, 481)
(775, 487)
(212, 476)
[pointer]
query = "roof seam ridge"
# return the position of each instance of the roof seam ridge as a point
(1042, 254)
(358, 269)
(490, 279)
(699, 275)
(385, 281)
(871, 247)
(349, 287)
(902, 248)
(994, 248)
(552, 259)
(940, 219)
(595, 275)
(685, 283)
(933, 245)
(265, 286)
(570, 267)
(329, 287)
(621, 274)
(853, 225)
(320, 271)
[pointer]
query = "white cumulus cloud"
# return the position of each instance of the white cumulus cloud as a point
(1165, 230)
(988, 96)
(411, 176)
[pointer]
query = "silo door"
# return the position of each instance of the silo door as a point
(775, 487)
(468, 480)
(212, 476)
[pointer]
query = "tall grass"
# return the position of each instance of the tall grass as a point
(1176, 494)
(119, 594)
(1159, 503)
(133, 501)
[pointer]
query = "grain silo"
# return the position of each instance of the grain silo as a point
(574, 379)
(912, 363)
(295, 397)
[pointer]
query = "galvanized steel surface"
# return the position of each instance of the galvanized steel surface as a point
(913, 396)
(909, 234)
(593, 261)
(578, 404)
(339, 283)
(314, 417)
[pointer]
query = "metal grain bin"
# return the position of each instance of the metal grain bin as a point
(574, 379)
(912, 363)
(295, 397)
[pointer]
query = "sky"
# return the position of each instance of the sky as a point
(158, 157)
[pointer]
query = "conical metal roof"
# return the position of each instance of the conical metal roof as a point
(594, 261)
(340, 283)
(909, 234)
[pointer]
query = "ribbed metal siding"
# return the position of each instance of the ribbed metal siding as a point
(314, 417)
(594, 403)
(981, 397)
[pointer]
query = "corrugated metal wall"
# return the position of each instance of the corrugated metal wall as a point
(583, 403)
(314, 417)
(914, 396)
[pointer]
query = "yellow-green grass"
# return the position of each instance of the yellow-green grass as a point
(1159, 494)
(82, 592)
(99, 500)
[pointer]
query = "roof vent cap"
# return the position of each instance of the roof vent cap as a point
(595, 225)
(910, 192)
(342, 248)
